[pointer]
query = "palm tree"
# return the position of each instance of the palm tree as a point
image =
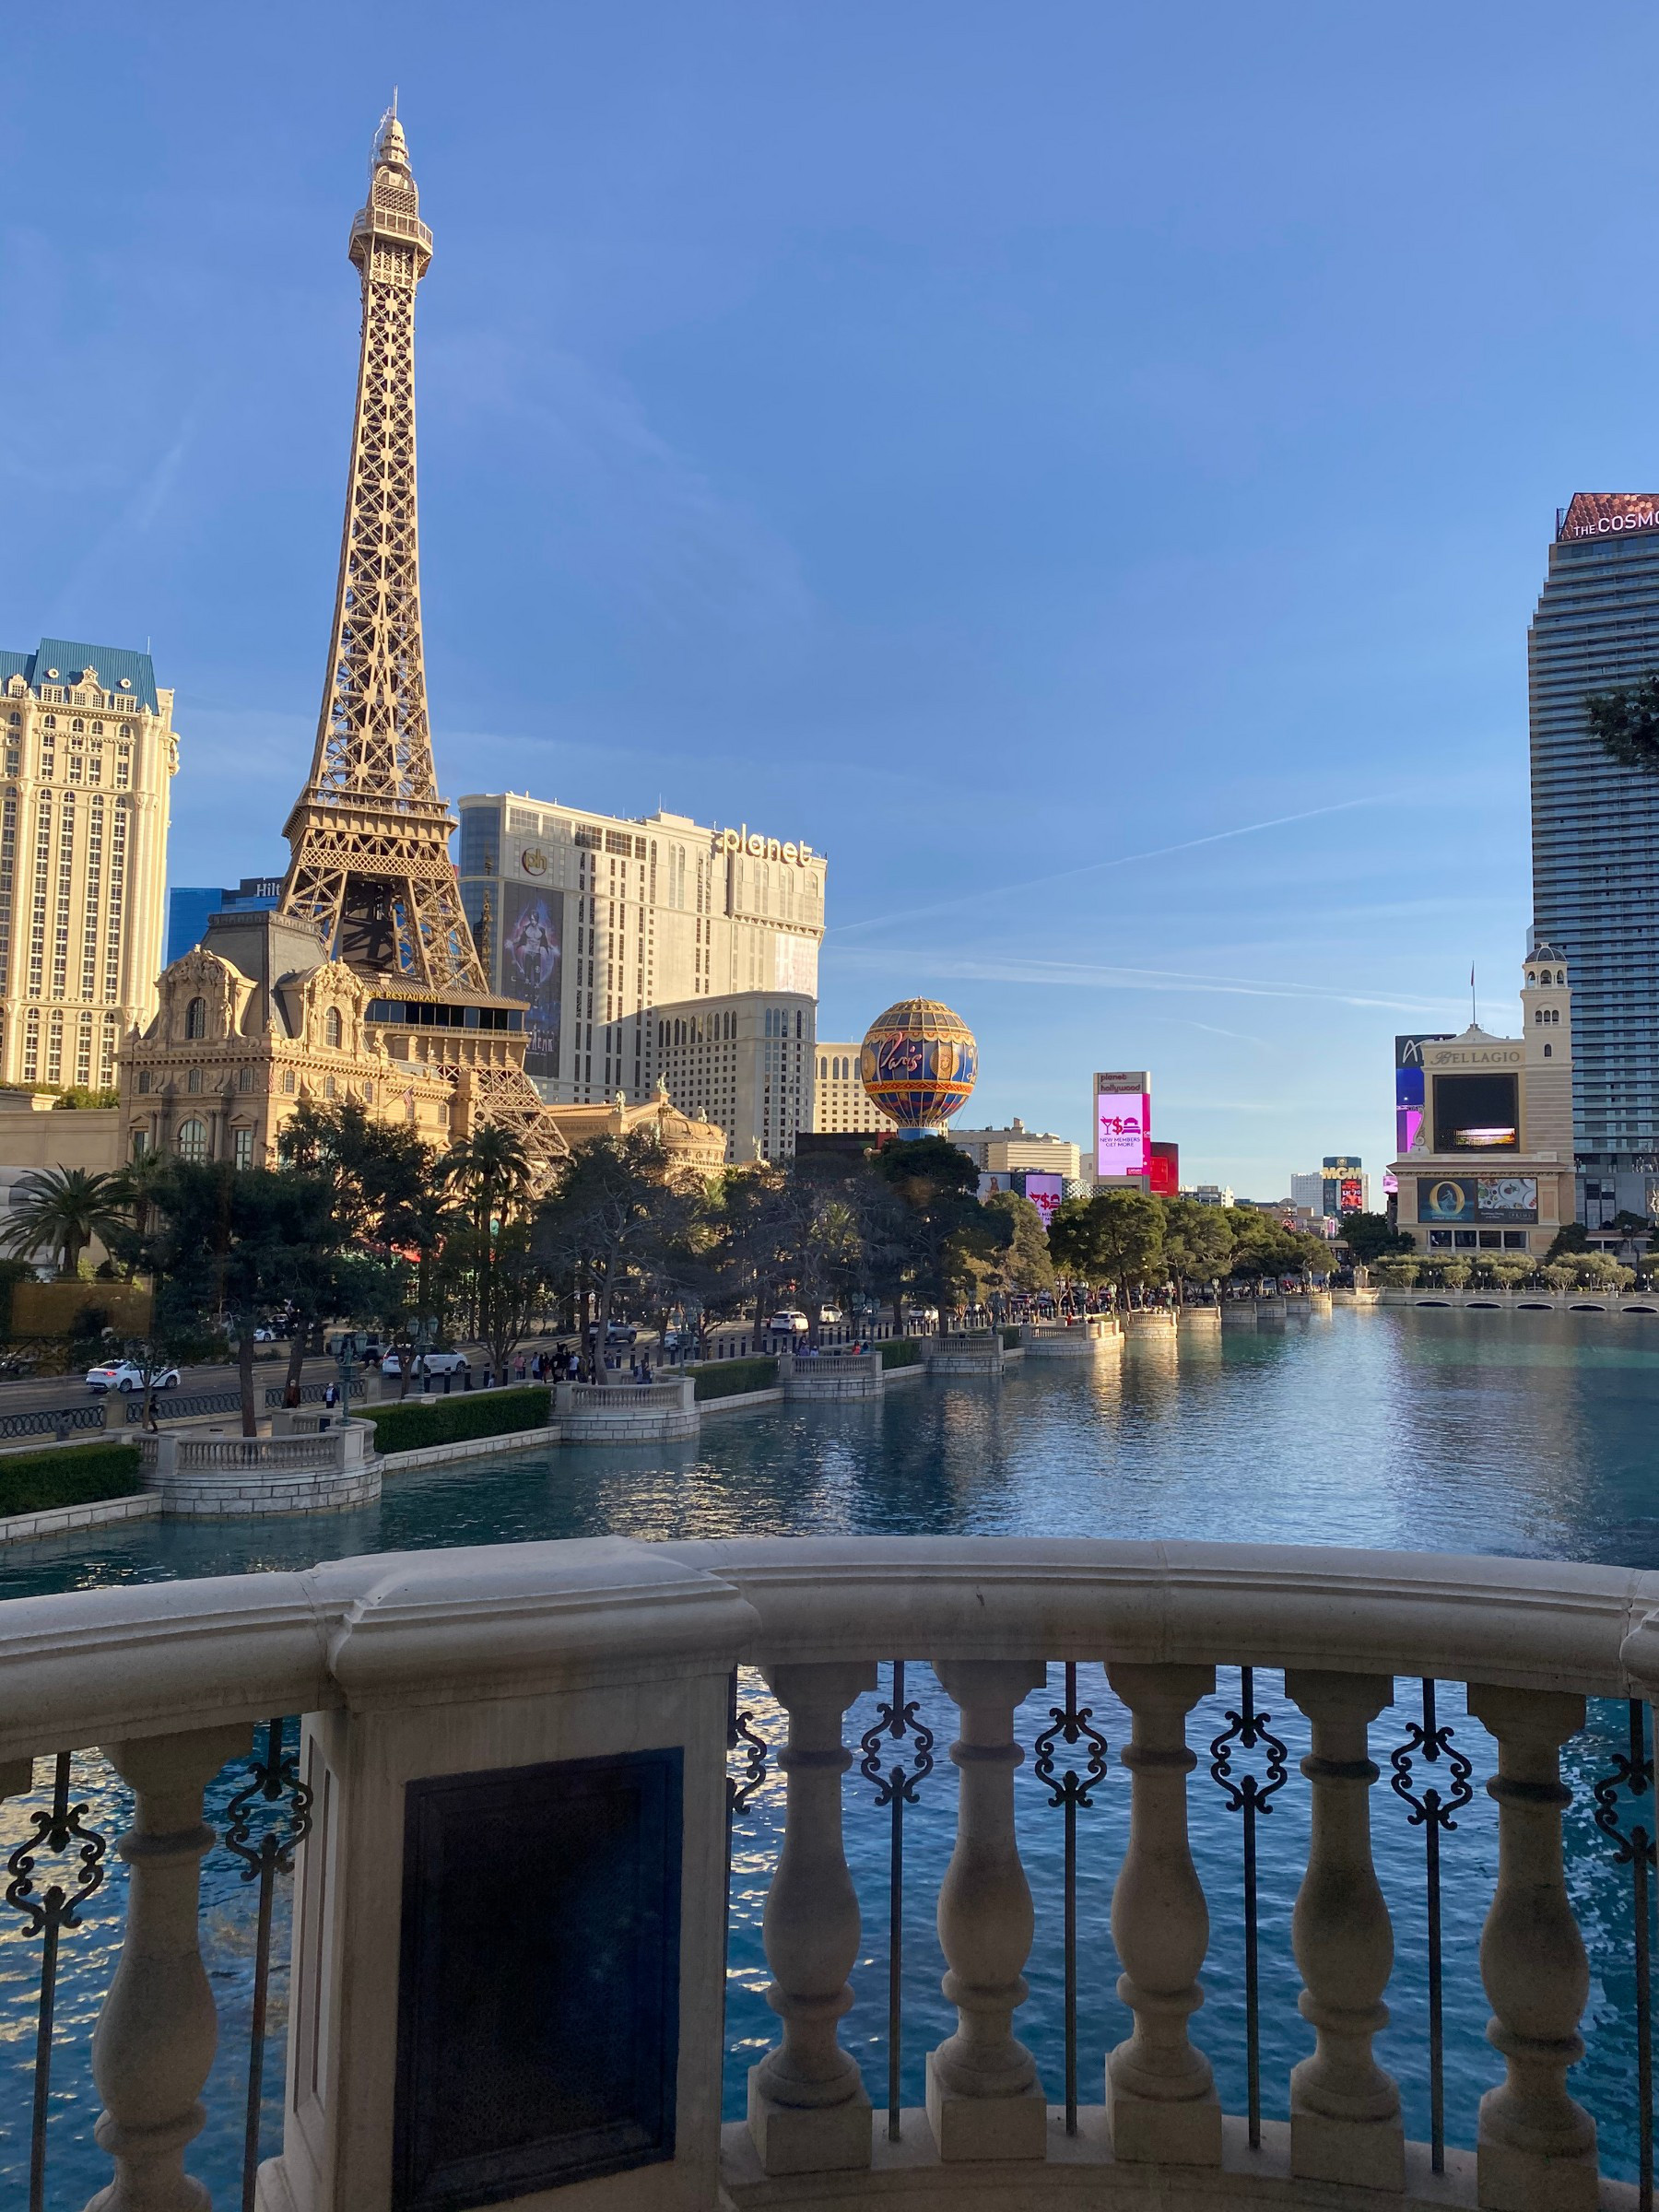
(490, 1170)
(63, 1208)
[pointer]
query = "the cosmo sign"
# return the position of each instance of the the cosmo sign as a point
(1123, 1119)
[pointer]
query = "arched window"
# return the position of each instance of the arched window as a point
(328, 1086)
(143, 1077)
(333, 1030)
(193, 1140)
(1560, 975)
(288, 1082)
(193, 1080)
(1548, 1050)
(1531, 978)
(244, 1078)
(195, 1017)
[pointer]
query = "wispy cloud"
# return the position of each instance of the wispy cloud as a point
(1097, 867)
(1072, 975)
(136, 519)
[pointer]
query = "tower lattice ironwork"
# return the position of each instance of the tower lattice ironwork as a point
(371, 868)
(370, 833)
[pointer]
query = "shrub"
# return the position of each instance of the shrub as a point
(731, 1378)
(901, 1351)
(34, 1482)
(454, 1419)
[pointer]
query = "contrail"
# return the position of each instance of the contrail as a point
(1091, 867)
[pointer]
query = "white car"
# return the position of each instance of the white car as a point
(789, 1321)
(426, 1364)
(122, 1374)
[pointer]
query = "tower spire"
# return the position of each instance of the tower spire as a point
(370, 834)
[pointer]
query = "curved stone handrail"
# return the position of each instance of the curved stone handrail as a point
(87, 1665)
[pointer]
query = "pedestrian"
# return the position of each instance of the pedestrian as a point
(518, 1368)
(645, 1368)
(330, 1396)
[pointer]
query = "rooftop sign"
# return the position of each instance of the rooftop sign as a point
(1609, 514)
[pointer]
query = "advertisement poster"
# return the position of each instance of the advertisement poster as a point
(1045, 1193)
(1352, 1196)
(992, 1180)
(532, 955)
(1121, 1133)
(1512, 1200)
(1164, 1167)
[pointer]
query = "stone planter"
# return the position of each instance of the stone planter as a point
(217, 1476)
(1069, 1339)
(1201, 1318)
(1136, 1321)
(978, 1354)
(829, 1374)
(627, 1413)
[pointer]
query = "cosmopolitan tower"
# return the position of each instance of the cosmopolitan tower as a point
(1595, 838)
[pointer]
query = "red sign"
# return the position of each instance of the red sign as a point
(1163, 1169)
(1352, 1198)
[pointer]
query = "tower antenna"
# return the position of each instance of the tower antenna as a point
(1473, 1017)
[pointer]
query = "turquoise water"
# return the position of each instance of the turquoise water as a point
(1529, 1434)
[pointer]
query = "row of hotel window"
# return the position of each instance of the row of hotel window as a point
(247, 1078)
(196, 1025)
(192, 1141)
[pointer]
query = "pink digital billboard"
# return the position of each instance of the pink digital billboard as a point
(1045, 1193)
(1122, 1133)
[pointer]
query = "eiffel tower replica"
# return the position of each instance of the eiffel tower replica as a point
(370, 870)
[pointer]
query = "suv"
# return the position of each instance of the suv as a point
(788, 1321)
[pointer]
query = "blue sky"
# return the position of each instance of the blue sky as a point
(1021, 452)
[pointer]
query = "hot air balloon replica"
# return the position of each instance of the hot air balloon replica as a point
(918, 1064)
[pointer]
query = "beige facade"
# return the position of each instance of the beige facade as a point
(697, 1147)
(840, 1101)
(744, 1062)
(1492, 1169)
(598, 923)
(84, 801)
(1017, 1147)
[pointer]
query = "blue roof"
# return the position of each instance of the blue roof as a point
(67, 658)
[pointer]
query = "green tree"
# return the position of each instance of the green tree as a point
(64, 1209)
(490, 1174)
(1625, 723)
(613, 1214)
(1115, 1238)
(1370, 1236)
(941, 1228)
(1024, 1263)
(1198, 1240)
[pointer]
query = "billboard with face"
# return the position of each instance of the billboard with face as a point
(1122, 1119)
(1351, 1199)
(1509, 1199)
(532, 963)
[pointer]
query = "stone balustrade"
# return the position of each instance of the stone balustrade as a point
(1069, 1339)
(514, 1760)
(833, 1375)
(627, 1413)
(214, 1476)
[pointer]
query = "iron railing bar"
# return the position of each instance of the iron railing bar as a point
(1253, 2021)
(1071, 1926)
(896, 1936)
(49, 1952)
(1641, 1858)
(1437, 2032)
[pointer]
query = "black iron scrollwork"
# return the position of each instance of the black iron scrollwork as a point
(1248, 1730)
(896, 1720)
(273, 1779)
(46, 1914)
(1431, 1741)
(741, 1737)
(1072, 1792)
(1070, 1723)
(1633, 1771)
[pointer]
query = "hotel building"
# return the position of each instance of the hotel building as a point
(1595, 838)
(85, 802)
(1017, 1147)
(840, 1104)
(653, 950)
(1492, 1169)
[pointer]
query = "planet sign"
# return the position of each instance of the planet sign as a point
(919, 1062)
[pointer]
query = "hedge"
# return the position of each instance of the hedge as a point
(731, 1378)
(453, 1420)
(901, 1351)
(34, 1482)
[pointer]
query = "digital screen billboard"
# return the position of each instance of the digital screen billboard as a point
(1477, 1113)
(1352, 1197)
(992, 1180)
(1164, 1170)
(1510, 1199)
(532, 956)
(1122, 1119)
(1045, 1193)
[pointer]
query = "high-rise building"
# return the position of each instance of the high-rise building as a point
(840, 1104)
(190, 907)
(1339, 1186)
(84, 801)
(596, 922)
(1006, 1150)
(743, 1062)
(1595, 836)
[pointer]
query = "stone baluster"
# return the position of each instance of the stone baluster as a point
(156, 2035)
(1536, 2145)
(1345, 2110)
(983, 2098)
(808, 2111)
(1160, 2095)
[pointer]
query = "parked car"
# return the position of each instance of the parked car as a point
(830, 1314)
(439, 1363)
(122, 1374)
(616, 1332)
(789, 1321)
